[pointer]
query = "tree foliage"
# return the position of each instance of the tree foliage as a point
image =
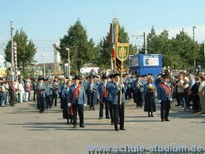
(82, 50)
(25, 49)
(178, 52)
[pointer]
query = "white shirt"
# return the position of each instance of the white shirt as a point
(201, 86)
(180, 89)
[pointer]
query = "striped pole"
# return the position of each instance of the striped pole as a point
(15, 60)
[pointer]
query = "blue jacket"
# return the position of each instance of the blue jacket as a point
(110, 86)
(100, 90)
(41, 90)
(162, 94)
(115, 94)
(81, 96)
(65, 92)
(92, 93)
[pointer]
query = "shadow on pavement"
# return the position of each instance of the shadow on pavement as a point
(146, 120)
(185, 115)
(44, 126)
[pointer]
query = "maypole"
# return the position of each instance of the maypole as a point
(120, 51)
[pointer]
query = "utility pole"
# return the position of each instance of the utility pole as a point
(145, 43)
(194, 44)
(44, 67)
(12, 52)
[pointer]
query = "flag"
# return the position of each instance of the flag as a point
(110, 37)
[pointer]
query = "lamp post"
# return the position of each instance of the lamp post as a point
(66, 69)
(44, 68)
(194, 44)
(12, 52)
(68, 62)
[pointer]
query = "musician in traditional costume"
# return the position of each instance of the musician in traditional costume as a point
(137, 86)
(110, 86)
(41, 96)
(77, 101)
(64, 94)
(102, 96)
(150, 91)
(92, 89)
(118, 106)
(164, 97)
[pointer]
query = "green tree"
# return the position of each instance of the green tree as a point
(81, 49)
(25, 50)
(201, 59)
(186, 48)
(178, 52)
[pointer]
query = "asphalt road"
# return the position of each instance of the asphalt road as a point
(23, 130)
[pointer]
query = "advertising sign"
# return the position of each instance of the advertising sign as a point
(150, 60)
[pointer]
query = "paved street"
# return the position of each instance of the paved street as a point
(25, 131)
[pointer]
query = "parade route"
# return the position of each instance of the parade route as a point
(25, 131)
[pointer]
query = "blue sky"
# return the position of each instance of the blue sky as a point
(46, 21)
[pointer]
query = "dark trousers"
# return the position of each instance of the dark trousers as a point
(12, 98)
(139, 98)
(29, 95)
(129, 93)
(196, 103)
(60, 96)
(55, 99)
(165, 107)
(118, 112)
(80, 110)
(34, 95)
(49, 101)
(42, 103)
(181, 99)
(102, 104)
(111, 111)
(122, 115)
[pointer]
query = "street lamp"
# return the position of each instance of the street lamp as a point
(68, 62)
(66, 69)
(12, 52)
(44, 68)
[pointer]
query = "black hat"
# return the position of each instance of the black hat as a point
(111, 75)
(165, 76)
(104, 77)
(45, 79)
(116, 74)
(76, 77)
(40, 78)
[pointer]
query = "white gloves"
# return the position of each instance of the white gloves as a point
(69, 104)
(159, 101)
(85, 104)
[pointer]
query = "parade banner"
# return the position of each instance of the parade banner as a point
(122, 51)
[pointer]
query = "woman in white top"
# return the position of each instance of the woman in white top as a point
(20, 91)
(202, 94)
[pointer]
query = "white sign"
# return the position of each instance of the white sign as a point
(151, 60)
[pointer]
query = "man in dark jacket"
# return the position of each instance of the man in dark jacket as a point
(164, 97)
